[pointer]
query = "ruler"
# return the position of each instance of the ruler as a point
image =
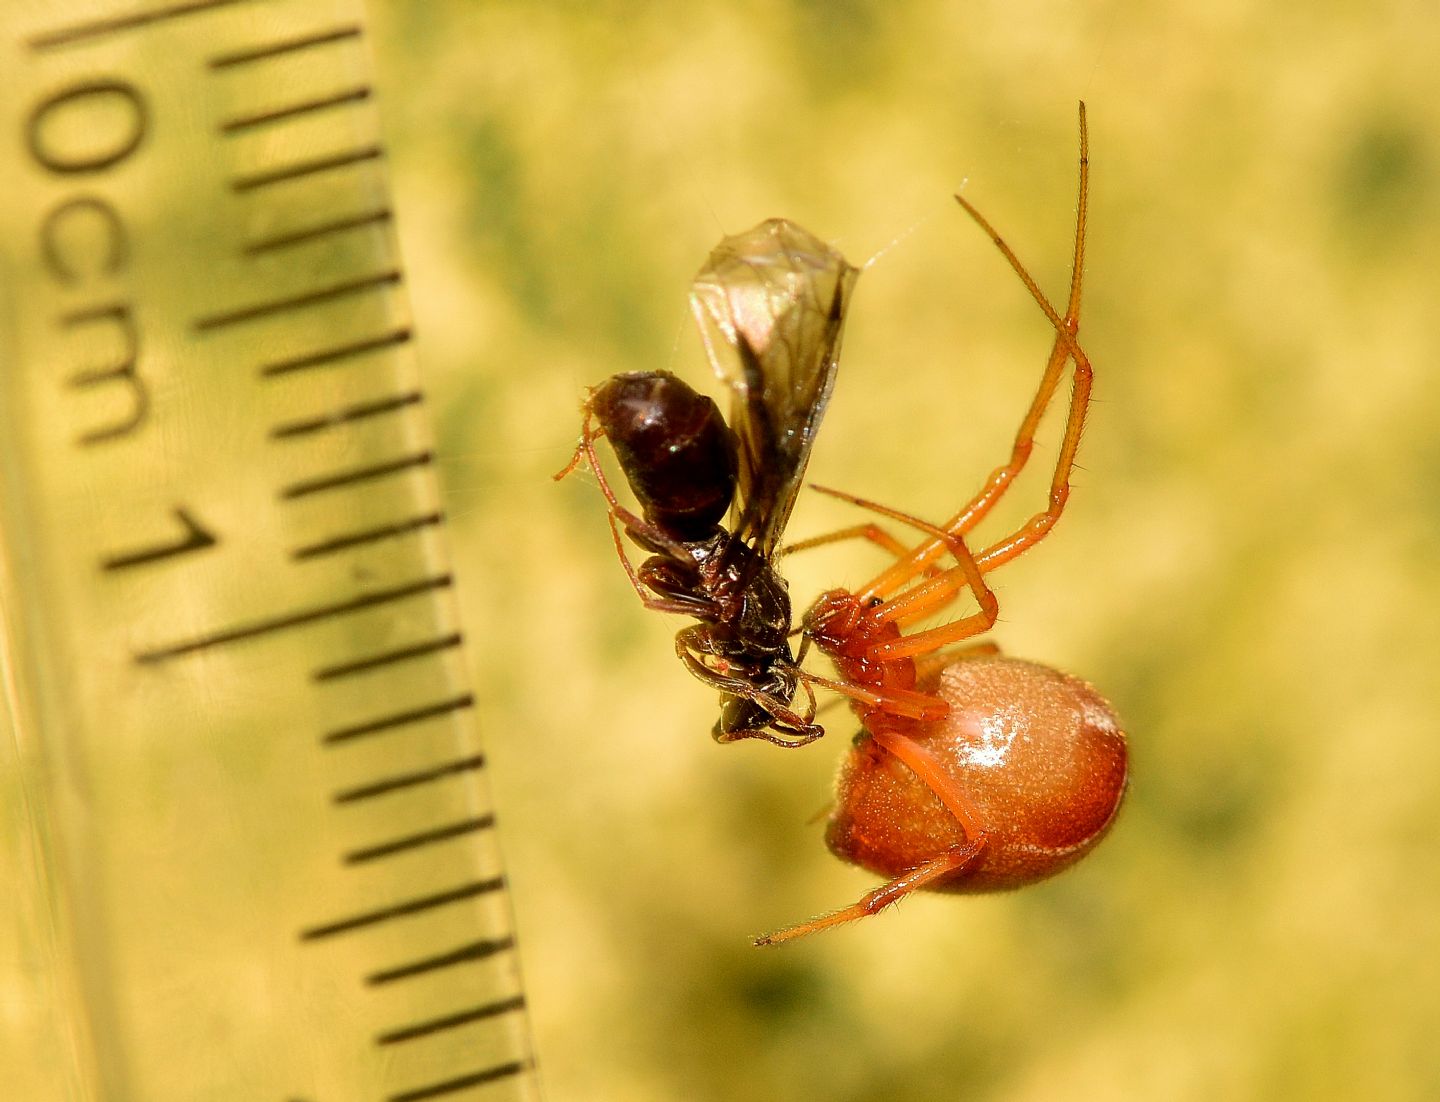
(244, 824)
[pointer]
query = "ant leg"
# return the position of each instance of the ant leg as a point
(585, 450)
(928, 769)
(649, 600)
(784, 719)
(1001, 478)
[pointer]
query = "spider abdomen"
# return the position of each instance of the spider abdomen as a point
(1039, 753)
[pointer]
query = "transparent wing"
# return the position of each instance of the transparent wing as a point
(771, 306)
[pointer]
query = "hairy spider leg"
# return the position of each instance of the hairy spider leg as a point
(892, 712)
(889, 730)
(905, 703)
(873, 533)
(927, 665)
(927, 598)
(1064, 349)
(876, 900)
(923, 764)
(870, 532)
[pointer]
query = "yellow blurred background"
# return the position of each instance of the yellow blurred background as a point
(1247, 568)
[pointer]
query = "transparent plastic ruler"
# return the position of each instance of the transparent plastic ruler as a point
(245, 838)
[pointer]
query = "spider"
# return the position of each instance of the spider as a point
(972, 771)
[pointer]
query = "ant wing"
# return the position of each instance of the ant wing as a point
(771, 306)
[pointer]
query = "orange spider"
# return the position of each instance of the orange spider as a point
(973, 771)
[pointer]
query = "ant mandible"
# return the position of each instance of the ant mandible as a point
(972, 771)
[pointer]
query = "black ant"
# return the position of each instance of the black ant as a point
(771, 306)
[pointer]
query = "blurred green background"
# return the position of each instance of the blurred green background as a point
(1247, 568)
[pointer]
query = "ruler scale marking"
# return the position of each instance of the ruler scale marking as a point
(294, 110)
(316, 233)
(299, 171)
(396, 720)
(286, 621)
(402, 781)
(423, 838)
(301, 301)
(387, 658)
(277, 49)
(407, 909)
(326, 357)
(341, 480)
(452, 1021)
(346, 415)
(365, 538)
(463, 1083)
(467, 954)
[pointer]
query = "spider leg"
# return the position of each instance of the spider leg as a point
(1064, 349)
(956, 857)
(924, 600)
(925, 766)
(909, 703)
(869, 531)
(873, 533)
(929, 597)
(928, 665)
(905, 703)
